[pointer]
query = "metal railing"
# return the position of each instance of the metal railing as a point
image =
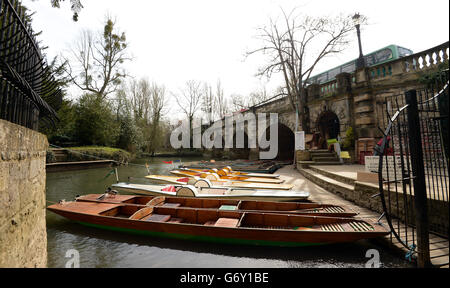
(413, 167)
(25, 77)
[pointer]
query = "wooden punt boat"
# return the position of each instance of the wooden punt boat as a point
(227, 171)
(211, 192)
(216, 177)
(164, 179)
(219, 226)
(296, 208)
(258, 166)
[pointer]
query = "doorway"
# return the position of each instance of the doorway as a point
(328, 125)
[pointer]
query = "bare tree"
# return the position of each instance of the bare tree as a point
(98, 60)
(258, 97)
(239, 102)
(222, 106)
(295, 47)
(208, 103)
(158, 105)
(140, 95)
(189, 100)
(75, 5)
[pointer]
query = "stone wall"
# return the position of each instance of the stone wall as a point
(23, 236)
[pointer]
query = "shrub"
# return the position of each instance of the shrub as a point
(349, 140)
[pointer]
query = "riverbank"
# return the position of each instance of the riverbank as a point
(88, 153)
(182, 154)
(95, 153)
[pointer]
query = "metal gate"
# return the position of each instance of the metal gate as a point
(413, 167)
(25, 78)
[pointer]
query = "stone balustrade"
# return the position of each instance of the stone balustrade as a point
(422, 61)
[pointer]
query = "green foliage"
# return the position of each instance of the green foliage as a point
(432, 77)
(64, 131)
(130, 136)
(94, 124)
(349, 140)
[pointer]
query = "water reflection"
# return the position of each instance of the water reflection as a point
(99, 248)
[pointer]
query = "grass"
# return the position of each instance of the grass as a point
(100, 148)
(86, 153)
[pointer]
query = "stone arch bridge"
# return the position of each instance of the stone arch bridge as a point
(351, 100)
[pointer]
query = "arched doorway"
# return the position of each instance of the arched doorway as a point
(328, 125)
(286, 142)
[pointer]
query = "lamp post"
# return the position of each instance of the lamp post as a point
(360, 63)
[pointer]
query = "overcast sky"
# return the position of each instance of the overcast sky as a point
(173, 41)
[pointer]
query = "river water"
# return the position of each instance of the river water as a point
(99, 248)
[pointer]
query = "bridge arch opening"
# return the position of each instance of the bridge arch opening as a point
(286, 142)
(240, 153)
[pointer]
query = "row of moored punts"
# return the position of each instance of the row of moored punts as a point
(219, 205)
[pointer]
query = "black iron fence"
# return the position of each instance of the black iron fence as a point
(25, 77)
(413, 167)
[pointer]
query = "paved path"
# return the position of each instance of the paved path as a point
(349, 171)
(318, 194)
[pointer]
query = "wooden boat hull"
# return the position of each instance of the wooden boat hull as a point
(163, 179)
(295, 208)
(244, 194)
(102, 215)
(186, 173)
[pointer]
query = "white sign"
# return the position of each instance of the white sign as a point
(391, 166)
(300, 141)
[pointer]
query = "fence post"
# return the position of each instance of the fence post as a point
(420, 190)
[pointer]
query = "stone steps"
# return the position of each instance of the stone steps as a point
(328, 183)
(308, 163)
(325, 159)
(60, 154)
(321, 157)
(337, 177)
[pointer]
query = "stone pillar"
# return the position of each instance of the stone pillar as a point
(313, 92)
(344, 83)
(23, 236)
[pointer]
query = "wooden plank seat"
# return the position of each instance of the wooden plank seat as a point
(175, 220)
(227, 222)
(171, 205)
(157, 218)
